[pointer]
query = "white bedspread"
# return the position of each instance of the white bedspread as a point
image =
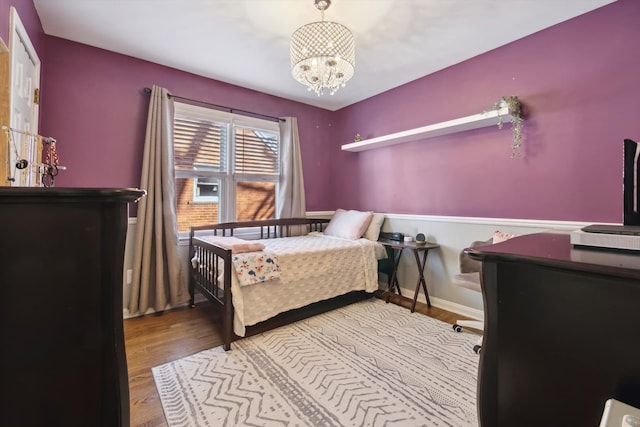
(313, 268)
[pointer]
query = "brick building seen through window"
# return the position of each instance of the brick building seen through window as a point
(255, 200)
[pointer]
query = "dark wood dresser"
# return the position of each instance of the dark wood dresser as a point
(62, 361)
(562, 332)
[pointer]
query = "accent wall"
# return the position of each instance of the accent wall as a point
(580, 85)
(94, 105)
(578, 82)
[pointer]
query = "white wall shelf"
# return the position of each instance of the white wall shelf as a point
(475, 121)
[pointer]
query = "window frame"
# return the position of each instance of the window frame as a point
(227, 175)
(204, 199)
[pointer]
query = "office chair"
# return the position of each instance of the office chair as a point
(470, 278)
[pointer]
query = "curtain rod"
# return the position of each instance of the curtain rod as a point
(222, 107)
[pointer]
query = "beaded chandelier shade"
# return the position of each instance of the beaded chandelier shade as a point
(322, 54)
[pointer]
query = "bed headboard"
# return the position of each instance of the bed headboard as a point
(262, 229)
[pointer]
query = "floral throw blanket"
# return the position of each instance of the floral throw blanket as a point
(255, 267)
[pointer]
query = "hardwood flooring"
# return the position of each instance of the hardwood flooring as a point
(155, 339)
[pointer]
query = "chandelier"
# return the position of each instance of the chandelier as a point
(322, 54)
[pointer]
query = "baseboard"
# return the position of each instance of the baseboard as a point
(126, 315)
(451, 306)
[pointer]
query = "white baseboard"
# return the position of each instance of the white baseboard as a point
(453, 307)
(126, 315)
(443, 304)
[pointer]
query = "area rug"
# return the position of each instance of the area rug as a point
(367, 364)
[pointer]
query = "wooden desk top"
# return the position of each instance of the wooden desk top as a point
(554, 249)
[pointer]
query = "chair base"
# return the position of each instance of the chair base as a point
(475, 324)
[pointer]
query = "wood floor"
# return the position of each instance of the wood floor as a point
(155, 339)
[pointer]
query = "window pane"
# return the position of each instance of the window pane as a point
(255, 200)
(190, 213)
(199, 144)
(206, 190)
(257, 152)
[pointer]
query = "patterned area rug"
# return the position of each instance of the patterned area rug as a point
(367, 364)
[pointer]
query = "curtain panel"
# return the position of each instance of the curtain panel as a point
(291, 202)
(158, 281)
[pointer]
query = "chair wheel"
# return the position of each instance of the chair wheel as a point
(457, 328)
(477, 348)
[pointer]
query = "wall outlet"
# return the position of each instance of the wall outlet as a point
(129, 276)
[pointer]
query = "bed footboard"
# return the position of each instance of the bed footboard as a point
(211, 264)
(211, 276)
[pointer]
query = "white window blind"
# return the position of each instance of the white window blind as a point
(257, 153)
(200, 145)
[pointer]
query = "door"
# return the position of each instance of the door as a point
(25, 149)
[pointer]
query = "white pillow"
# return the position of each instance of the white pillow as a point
(373, 231)
(348, 224)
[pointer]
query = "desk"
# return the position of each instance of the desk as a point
(397, 248)
(561, 332)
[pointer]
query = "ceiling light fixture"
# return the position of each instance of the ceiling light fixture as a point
(323, 54)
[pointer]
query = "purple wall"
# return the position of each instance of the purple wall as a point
(30, 20)
(578, 80)
(95, 107)
(580, 84)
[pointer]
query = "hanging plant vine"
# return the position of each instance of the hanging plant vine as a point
(517, 122)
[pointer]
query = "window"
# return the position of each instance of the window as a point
(206, 190)
(227, 166)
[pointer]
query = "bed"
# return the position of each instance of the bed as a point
(301, 271)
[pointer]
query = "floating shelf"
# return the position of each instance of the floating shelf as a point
(476, 121)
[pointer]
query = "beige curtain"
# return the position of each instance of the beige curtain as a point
(291, 202)
(157, 277)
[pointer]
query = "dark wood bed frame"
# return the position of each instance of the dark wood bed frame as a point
(204, 278)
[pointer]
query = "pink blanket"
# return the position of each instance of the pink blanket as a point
(236, 245)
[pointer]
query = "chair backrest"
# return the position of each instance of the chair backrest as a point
(469, 265)
(470, 269)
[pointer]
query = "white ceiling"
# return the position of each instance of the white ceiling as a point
(246, 42)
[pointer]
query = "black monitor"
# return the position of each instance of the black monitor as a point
(631, 183)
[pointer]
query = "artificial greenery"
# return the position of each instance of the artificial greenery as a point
(515, 110)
